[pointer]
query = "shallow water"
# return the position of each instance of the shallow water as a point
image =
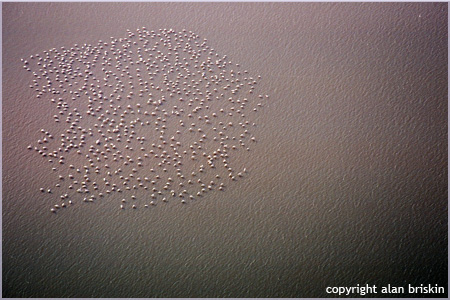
(347, 182)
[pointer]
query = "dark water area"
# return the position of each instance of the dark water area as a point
(347, 181)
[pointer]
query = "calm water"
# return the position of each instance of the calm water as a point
(347, 182)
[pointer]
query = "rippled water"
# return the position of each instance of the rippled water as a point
(346, 184)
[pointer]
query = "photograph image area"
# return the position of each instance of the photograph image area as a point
(225, 150)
